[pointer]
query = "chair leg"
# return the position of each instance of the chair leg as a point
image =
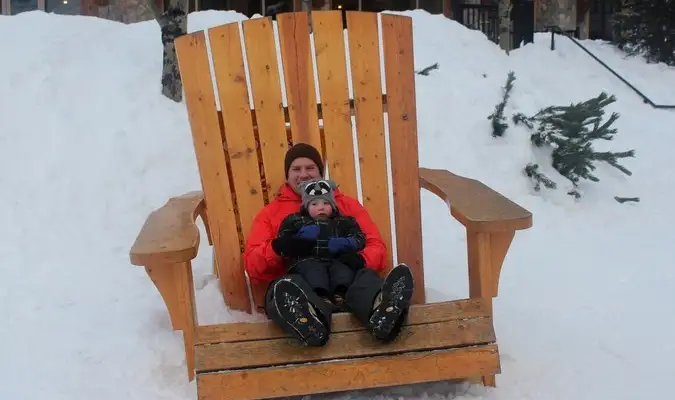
(486, 252)
(490, 380)
(176, 286)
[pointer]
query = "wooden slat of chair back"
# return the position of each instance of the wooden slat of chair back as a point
(240, 150)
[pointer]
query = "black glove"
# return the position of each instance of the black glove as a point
(292, 246)
(355, 261)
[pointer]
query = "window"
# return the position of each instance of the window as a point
(432, 6)
(65, 7)
(19, 6)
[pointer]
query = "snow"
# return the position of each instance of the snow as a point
(88, 147)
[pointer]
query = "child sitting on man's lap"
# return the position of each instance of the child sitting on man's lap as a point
(335, 235)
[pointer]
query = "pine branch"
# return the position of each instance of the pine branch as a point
(538, 178)
(612, 159)
(499, 124)
(425, 71)
(574, 193)
(627, 199)
(520, 118)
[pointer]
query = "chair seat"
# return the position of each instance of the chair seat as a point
(258, 360)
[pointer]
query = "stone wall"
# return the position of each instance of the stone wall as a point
(562, 13)
(127, 11)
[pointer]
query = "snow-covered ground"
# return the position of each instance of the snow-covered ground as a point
(88, 147)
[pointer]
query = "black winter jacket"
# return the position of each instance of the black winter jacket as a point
(336, 226)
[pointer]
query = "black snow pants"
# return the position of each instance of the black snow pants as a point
(325, 277)
(379, 305)
(358, 299)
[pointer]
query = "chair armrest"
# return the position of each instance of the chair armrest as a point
(170, 234)
(473, 204)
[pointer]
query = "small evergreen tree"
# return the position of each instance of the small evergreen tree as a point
(570, 131)
(646, 27)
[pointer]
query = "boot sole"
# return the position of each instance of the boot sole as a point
(293, 306)
(397, 291)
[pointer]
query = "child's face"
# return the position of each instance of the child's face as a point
(319, 209)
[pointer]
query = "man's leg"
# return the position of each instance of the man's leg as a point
(381, 305)
(292, 304)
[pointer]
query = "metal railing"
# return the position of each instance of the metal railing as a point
(482, 17)
(557, 30)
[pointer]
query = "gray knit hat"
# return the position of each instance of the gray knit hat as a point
(319, 189)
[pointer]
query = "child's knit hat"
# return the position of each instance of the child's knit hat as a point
(319, 189)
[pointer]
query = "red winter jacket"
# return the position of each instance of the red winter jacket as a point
(261, 262)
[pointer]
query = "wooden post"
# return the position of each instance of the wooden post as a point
(447, 8)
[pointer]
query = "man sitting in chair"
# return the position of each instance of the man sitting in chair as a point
(380, 305)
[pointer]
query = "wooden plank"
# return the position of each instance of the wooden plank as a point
(343, 322)
(341, 375)
(296, 59)
(474, 204)
(329, 45)
(400, 81)
(342, 345)
(228, 64)
(319, 111)
(203, 116)
(366, 79)
(267, 100)
(169, 234)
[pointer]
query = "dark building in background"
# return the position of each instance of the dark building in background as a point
(584, 17)
(135, 10)
(267, 7)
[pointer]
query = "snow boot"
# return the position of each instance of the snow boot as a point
(391, 305)
(297, 312)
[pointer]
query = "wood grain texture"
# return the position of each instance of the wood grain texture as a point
(364, 53)
(342, 375)
(401, 98)
(211, 160)
(267, 101)
(169, 234)
(343, 322)
(330, 52)
(240, 141)
(296, 56)
(475, 205)
(176, 286)
(343, 345)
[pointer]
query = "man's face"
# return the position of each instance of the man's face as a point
(302, 170)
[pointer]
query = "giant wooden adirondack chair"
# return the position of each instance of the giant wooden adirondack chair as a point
(240, 150)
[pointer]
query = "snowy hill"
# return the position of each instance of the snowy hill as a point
(88, 147)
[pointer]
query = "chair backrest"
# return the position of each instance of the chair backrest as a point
(244, 117)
